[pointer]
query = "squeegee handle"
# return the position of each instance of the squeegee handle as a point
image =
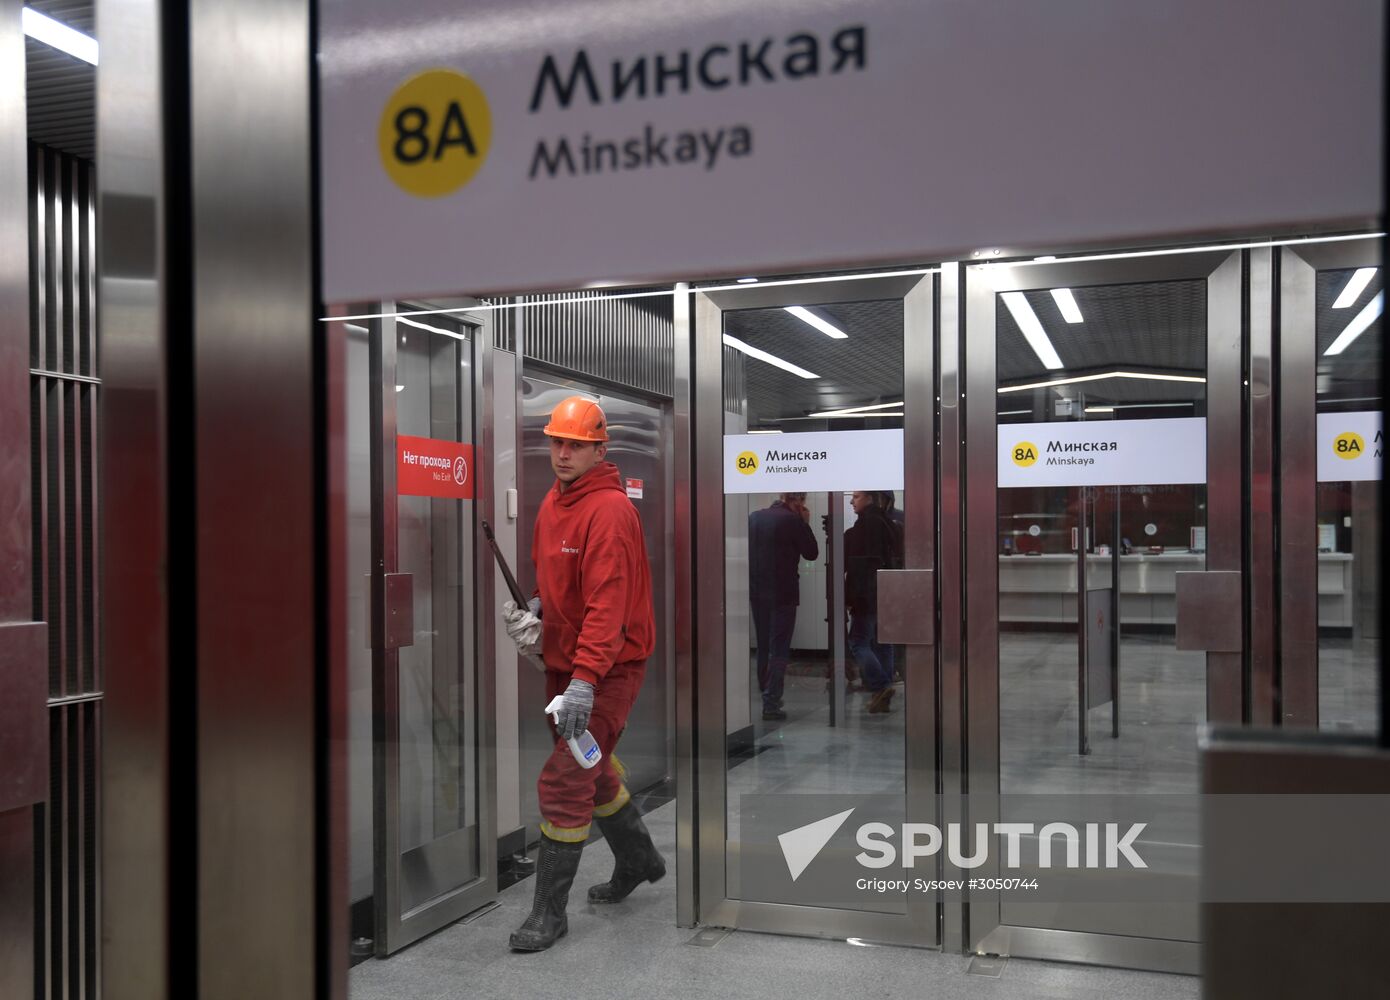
(520, 598)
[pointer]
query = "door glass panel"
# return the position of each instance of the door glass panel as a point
(1349, 401)
(781, 613)
(1136, 354)
(437, 672)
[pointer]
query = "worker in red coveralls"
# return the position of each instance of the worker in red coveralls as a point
(597, 630)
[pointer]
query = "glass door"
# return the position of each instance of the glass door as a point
(814, 558)
(1331, 401)
(1104, 590)
(434, 830)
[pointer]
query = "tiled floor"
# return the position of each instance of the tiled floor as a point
(635, 950)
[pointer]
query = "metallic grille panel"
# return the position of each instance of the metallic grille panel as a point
(62, 276)
(864, 368)
(64, 390)
(67, 883)
(735, 380)
(626, 342)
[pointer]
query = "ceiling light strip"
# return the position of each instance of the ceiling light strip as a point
(1368, 315)
(1149, 376)
(1171, 251)
(1066, 302)
(1355, 285)
(1033, 332)
(431, 329)
(811, 319)
(763, 356)
(42, 28)
(847, 411)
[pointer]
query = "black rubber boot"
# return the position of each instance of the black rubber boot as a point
(555, 870)
(636, 859)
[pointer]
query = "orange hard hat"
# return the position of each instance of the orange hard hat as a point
(578, 419)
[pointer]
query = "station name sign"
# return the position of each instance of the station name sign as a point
(1350, 446)
(813, 462)
(1103, 453)
(481, 149)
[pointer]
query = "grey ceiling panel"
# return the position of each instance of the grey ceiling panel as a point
(864, 368)
(61, 88)
(1350, 380)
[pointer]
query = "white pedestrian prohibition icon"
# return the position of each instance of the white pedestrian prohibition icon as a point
(460, 471)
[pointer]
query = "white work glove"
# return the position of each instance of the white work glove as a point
(577, 702)
(523, 625)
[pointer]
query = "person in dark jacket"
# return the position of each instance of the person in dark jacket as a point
(871, 544)
(779, 536)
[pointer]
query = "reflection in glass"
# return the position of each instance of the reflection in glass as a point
(766, 390)
(1055, 370)
(1349, 305)
(436, 676)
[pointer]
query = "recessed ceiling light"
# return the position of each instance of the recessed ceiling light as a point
(1100, 409)
(749, 281)
(808, 317)
(1368, 315)
(42, 28)
(1067, 304)
(770, 359)
(1355, 285)
(1033, 332)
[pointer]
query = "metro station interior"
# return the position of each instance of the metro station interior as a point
(355, 813)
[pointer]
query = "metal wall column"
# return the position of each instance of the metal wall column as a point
(979, 519)
(23, 643)
(951, 555)
(707, 441)
(136, 833)
(1298, 491)
(1263, 441)
(1226, 465)
(218, 431)
(687, 798)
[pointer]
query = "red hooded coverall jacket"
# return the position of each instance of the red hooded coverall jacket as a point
(595, 588)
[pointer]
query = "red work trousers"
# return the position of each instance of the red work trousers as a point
(570, 794)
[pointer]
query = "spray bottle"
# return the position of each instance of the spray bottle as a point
(584, 746)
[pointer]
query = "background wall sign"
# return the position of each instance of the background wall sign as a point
(503, 146)
(1349, 446)
(819, 461)
(428, 467)
(1104, 452)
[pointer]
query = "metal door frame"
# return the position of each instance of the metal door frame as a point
(1296, 292)
(394, 930)
(699, 403)
(982, 928)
